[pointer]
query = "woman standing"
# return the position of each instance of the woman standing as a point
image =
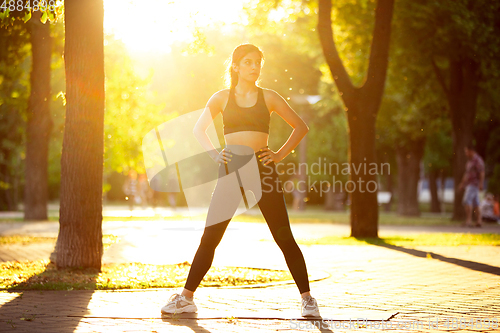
(246, 110)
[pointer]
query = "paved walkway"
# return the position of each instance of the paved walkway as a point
(370, 287)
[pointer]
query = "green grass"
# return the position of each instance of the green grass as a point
(44, 275)
(308, 216)
(428, 239)
(313, 214)
(321, 216)
(5, 240)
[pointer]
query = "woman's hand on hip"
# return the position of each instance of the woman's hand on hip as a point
(267, 156)
(224, 156)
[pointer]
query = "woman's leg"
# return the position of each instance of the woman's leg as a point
(272, 205)
(204, 256)
(225, 200)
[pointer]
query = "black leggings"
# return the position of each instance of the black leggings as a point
(272, 206)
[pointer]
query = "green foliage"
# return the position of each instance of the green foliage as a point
(328, 143)
(291, 26)
(440, 31)
(439, 150)
(494, 181)
(493, 150)
(456, 28)
(413, 105)
(130, 113)
(353, 23)
(493, 159)
(16, 57)
(51, 13)
(14, 92)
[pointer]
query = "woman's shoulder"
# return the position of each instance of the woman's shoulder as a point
(220, 96)
(218, 101)
(222, 93)
(270, 94)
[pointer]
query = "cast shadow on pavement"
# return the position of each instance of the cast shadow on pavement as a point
(321, 325)
(190, 323)
(476, 266)
(44, 310)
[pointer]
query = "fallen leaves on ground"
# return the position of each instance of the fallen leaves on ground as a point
(44, 274)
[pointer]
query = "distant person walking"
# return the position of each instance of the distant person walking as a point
(143, 190)
(130, 189)
(472, 181)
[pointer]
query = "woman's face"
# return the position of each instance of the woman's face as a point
(249, 66)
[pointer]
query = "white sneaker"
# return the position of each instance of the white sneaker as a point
(309, 307)
(179, 304)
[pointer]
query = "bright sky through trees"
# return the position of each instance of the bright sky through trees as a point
(153, 25)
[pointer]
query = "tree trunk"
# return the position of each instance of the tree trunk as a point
(464, 80)
(462, 94)
(80, 233)
(39, 124)
(362, 104)
(362, 184)
(433, 189)
(408, 159)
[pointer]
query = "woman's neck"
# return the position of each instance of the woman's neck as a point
(245, 87)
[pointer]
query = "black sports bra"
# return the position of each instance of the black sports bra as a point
(255, 118)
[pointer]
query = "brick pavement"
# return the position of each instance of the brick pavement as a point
(32, 252)
(423, 287)
(366, 282)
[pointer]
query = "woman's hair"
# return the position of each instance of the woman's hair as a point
(239, 52)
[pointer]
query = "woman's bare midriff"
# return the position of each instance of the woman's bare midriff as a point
(252, 139)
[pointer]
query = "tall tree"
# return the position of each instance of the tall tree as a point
(462, 93)
(412, 109)
(362, 104)
(14, 50)
(460, 41)
(39, 122)
(79, 243)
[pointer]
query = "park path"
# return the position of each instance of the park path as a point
(369, 287)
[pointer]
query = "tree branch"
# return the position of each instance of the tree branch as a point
(379, 52)
(339, 73)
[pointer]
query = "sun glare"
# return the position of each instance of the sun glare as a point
(153, 25)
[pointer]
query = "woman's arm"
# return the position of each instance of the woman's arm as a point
(278, 104)
(212, 109)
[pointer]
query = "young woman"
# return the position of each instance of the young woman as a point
(246, 110)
